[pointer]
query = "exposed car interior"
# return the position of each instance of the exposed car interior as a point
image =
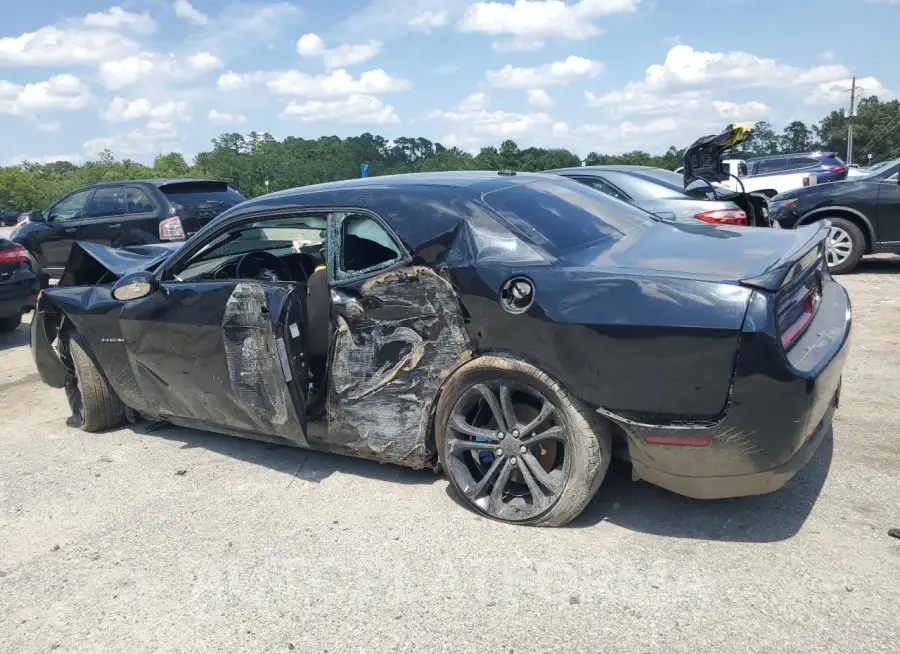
(292, 250)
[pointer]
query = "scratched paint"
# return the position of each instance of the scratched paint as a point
(253, 366)
(389, 363)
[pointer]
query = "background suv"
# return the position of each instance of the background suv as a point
(119, 214)
(827, 166)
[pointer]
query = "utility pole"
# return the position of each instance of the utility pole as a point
(850, 123)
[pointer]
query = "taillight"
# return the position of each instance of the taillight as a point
(723, 216)
(798, 303)
(16, 254)
(836, 169)
(170, 229)
(806, 180)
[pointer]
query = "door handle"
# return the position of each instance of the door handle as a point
(70, 230)
(115, 225)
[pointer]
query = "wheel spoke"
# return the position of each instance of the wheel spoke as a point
(495, 504)
(537, 494)
(493, 405)
(457, 446)
(458, 423)
(546, 411)
(509, 414)
(552, 434)
(541, 475)
(475, 491)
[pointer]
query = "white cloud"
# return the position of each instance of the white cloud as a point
(539, 98)
(116, 18)
(51, 126)
(836, 91)
(517, 45)
(746, 111)
(429, 19)
(121, 73)
(557, 72)
(542, 18)
(50, 46)
(311, 46)
(167, 113)
(155, 138)
(359, 109)
(59, 93)
(184, 9)
(474, 116)
(223, 118)
(337, 83)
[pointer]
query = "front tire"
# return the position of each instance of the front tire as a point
(845, 246)
(95, 406)
(516, 446)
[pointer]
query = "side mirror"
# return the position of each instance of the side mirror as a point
(135, 286)
(36, 217)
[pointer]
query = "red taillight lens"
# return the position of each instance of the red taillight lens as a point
(836, 169)
(790, 335)
(170, 229)
(16, 254)
(723, 217)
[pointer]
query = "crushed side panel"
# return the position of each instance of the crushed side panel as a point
(389, 363)
(254, 371)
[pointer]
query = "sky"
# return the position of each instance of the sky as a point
(152, 76)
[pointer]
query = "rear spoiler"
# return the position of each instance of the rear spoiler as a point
(806, 250)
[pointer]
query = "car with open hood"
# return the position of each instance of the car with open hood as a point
(512, 330)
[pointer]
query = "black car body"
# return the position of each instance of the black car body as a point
(447, 317)
(864, 213)
(19, 284)
(119, 214)
(8, 217)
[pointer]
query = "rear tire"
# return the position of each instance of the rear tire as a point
(95, 406)
(10, 323)
(573, 461)
(845, 246)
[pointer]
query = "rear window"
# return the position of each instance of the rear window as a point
(563, 216)
(194, 196)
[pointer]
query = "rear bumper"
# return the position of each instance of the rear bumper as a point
(755, 483)
(779, 412)
(19, 294)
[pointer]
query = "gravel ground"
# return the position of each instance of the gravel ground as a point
(178, 540)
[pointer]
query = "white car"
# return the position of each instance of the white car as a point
(770, 185)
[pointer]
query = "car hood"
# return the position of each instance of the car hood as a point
(753, 256)
(89, 263)
(836, 188)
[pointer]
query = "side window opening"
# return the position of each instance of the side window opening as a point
(107, 202)
(298, 242)
(136, 201)
(72, 208)
(365, 245)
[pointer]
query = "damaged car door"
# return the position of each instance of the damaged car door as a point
(398, 331)
(221, 355)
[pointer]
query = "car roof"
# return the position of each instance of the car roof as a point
(622, 168)
(156, 182)
(817, 153)
(479, 181)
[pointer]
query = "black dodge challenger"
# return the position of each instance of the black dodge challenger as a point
(512, 329)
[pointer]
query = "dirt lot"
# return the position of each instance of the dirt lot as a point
(178, 540)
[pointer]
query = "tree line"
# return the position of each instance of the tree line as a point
(248, 161)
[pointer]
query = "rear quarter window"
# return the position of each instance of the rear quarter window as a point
(563, 216)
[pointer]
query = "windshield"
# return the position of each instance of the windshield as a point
(563, 215)
(646, 187)
(663, 175)
(877, 169)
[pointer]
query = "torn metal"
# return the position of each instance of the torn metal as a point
(389, 363)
